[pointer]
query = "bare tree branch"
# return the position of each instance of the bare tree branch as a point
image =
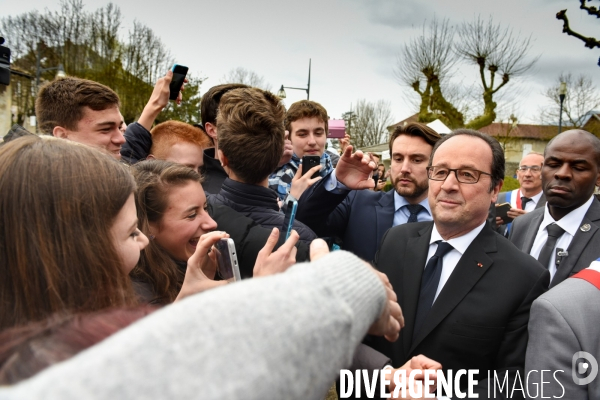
(246, 77)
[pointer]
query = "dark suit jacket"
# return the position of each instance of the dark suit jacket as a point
(360, 218)
(502, 229)
(479, 320)
(584, 248)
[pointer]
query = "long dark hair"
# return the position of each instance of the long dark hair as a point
(58, 202)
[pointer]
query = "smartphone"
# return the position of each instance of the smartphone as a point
(288, 220)
(227, 264)
(309, 162)
(501, 210)
(179, 73)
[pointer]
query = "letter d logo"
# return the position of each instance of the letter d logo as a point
(587, 365)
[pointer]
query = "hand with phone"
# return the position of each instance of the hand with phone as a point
(202, 266)
(505, 213)
(269, 262)
(158, 100)
(302, 181)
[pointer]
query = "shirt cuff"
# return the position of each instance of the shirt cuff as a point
(333, 185)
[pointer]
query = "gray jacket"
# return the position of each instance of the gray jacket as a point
(562, 322)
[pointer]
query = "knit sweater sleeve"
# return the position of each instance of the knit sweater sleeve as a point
(283, 336)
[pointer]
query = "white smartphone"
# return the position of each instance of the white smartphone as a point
(227, 264)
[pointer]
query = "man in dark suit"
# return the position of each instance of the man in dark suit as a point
(565, 234)
(527, 197)
(465, 291)
(360, 218)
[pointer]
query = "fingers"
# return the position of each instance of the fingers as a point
(286, 136)
(269, 246)
(314, 170)
(318, 248)
(298, 173)
(291, 241)
(423, 362)
(205, 245)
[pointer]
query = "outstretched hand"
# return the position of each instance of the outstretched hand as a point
(355, 170)
(202, 266)
(391, 319)
(269, 262)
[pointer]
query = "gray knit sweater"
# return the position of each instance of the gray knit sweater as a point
(279, 337)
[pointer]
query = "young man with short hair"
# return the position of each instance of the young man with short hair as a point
(83, 111)
(251, 141)
(306, 122)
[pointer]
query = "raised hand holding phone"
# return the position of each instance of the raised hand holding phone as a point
(179, 73)
(227, 263)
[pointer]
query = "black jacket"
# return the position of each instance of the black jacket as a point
(258, 203)
(213, 173)
(138, 142)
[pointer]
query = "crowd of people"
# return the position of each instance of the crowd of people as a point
(109, 281)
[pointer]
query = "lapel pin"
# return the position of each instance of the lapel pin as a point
(479, 265)
(585, 228)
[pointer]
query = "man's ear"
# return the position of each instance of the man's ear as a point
(496, 190)
(211, 130)
(150, 157)
(60, 132)
(222, 158)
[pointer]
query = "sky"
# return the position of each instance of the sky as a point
(354, 45)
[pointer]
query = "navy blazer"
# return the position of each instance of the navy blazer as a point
(359, 217)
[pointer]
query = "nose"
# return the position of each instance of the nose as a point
(563, 173)
(451, 183)
(143, 240)
(118, 137)
(405, 167)
(208, 224)
(311, 140)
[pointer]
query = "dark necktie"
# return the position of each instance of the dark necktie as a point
(429, 283)
(414, 210)
(554, 232)
(524, 201)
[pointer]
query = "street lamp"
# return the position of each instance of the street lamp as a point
(60, 73)
(562, 92)
(281, 92)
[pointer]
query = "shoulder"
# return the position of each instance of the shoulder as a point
(409, 230)
(514, 260)
(527, 218)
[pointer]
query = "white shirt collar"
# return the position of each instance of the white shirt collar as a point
(537, 197)
(460, 243)
(570, 222)
(400, 202)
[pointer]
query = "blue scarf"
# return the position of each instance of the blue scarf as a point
(326, 165)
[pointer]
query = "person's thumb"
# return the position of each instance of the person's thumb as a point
(318, 248)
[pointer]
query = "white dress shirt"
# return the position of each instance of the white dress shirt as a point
(459, 244)
(531, 205)
(570, 223)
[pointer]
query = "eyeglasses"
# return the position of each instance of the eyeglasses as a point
(463, 175)
(532, 168)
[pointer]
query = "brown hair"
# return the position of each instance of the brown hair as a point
(58, 202)
(306, 109)
(62, 102)
(28, 349)
(154, 179)
(209, 104)
(415, 129)
(250, 132)
(166, 134)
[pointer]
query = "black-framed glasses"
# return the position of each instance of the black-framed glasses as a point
(463, 175)
(532, 168)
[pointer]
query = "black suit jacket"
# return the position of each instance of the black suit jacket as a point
(479, 320)
(360, 218)
(584, 248)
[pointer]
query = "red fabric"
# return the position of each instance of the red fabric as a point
(589, 275)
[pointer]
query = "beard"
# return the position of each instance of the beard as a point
(416, 190)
